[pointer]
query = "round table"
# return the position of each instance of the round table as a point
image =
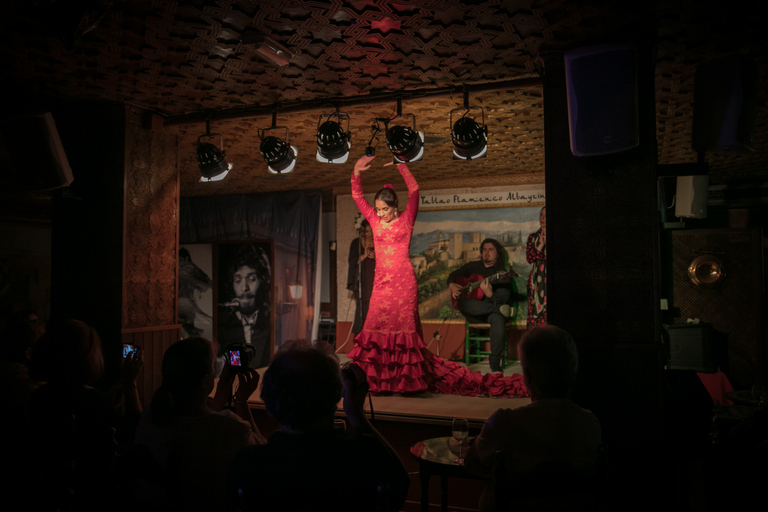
(438, 456)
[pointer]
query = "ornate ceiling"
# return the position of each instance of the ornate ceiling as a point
(190, 60)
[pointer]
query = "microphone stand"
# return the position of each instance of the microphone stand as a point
(436, 336)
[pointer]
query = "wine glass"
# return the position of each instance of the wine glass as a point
(460, 431)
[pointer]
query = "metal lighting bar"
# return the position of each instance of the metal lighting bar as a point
(341, 101)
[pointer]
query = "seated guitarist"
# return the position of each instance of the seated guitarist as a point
(492, 308)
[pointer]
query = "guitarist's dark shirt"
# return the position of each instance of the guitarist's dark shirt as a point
(501, 288)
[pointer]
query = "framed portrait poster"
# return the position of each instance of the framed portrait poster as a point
(196, 290)
(244, 297)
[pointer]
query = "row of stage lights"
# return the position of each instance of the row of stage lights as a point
(470, 141)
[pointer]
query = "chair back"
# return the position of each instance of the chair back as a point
(553, 485)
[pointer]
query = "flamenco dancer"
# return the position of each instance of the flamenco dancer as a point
(536, 255)
(391, 347)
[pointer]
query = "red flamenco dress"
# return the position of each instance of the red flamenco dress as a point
(390, 348)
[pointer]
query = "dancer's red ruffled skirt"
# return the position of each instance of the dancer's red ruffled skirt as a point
(398, 362)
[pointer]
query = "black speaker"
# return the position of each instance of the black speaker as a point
(691, 347)
(602, 99)
(725, 105)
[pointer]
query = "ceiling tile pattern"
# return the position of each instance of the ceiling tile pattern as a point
(185, 57)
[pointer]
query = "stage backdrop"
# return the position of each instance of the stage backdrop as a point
(448, 231)
(290, 222)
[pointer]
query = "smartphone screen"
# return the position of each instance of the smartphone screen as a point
(234, 358)
(128, 349)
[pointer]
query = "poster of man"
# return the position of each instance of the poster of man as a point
(244, 297)
(196, 290)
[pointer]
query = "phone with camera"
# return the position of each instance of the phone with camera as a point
(129, 349)
(239, 356)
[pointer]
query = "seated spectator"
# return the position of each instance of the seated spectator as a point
(307, 464)
(550, 428)
(193, 442)
(72, 423)
(22, 331)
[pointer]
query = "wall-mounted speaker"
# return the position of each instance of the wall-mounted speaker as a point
(691, 347)
(602, 99)
(31, 154)
(725, 105)
(691, 196)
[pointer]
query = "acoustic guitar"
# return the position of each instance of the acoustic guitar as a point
(471, 285)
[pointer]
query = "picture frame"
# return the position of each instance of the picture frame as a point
(245, 297)
(195, 290)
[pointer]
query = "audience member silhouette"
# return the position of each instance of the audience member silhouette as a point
(551, 428)
(307, 464)
(23, 331)
(193, 442)
(16, 386)
(71, 422)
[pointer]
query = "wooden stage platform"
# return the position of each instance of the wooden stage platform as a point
(429, 408)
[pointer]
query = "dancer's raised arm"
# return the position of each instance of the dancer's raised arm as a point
(412, 208)
(366, 209)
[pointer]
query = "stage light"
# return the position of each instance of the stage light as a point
(333, 143)
(406, 144)
(470, 138)
(278, 153)
(211, 160)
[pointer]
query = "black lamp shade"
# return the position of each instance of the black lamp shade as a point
(404, 143)
(332, 142)
(211, 161)
(277, 153)
(469, 139)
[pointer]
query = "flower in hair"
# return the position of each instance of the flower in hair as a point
(388, 185)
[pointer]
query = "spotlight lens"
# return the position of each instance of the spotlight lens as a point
(278, 155)
(211, 161)
(469, 138)
(404, 143)
(332, 141)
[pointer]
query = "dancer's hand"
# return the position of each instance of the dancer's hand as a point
(363, 164)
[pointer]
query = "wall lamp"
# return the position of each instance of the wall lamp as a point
(405, 143)
(333, 143)
(279, 155)
(211, 160)
(470, 139)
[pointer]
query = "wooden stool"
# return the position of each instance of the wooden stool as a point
(476, 335)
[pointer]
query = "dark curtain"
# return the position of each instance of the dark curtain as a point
(291, 221)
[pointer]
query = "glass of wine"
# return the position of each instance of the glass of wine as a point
(460, 431)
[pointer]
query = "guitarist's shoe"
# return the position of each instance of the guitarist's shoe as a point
(505, 310)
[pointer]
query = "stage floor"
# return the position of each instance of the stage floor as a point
(429, 408)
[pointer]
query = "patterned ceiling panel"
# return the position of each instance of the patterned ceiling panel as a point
(187, 57)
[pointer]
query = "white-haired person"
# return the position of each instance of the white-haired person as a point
(552, 428)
